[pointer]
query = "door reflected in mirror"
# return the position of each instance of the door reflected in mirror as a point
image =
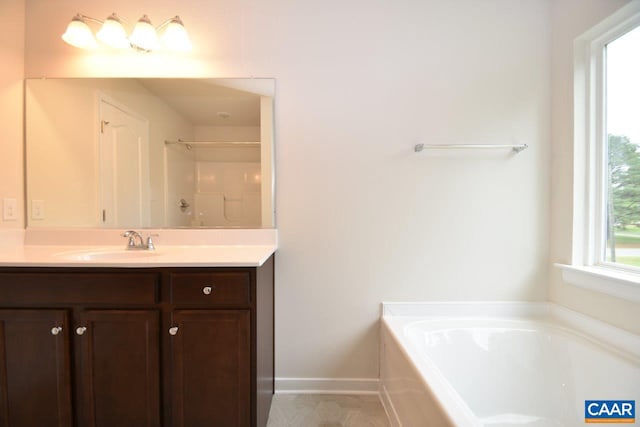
(149, 153)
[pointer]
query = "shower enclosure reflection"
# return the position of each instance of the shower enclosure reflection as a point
(215, 183)
(135, 153)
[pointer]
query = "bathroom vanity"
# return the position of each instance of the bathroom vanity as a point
(95, 334)
(166, 345)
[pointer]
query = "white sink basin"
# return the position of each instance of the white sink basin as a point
(106, 254)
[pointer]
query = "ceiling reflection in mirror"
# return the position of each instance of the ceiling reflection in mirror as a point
(149, 153)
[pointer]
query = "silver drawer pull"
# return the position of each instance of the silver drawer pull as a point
(56, 330)
(80, 330)
(173, 330)
(207, 290)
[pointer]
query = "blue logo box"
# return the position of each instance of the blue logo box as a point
(610, 411)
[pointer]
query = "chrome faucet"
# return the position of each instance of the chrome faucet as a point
(136, 241)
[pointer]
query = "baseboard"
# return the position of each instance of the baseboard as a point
(328, 385)
(392, 415)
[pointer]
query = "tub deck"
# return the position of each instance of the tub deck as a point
(501, 364)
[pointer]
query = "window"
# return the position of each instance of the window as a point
(606, 232)
(622, 130)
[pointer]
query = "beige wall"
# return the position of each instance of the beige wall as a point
(11, 74)
(571, 18)
(361, 217)
(62, 155)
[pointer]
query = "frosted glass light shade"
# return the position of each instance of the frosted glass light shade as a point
(144, 36)
(175, 37)
(79, 34)
(112, 33)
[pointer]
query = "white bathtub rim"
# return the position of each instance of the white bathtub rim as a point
(601, 333)
(551, 325)
(442, 392)
(450, 309)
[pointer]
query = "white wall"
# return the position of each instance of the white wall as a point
(12, 16)
(571, 18)
(361, 218)
(227, 133)
(266, 161)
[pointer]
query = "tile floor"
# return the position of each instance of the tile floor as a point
(327, 410)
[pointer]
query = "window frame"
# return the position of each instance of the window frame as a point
(588, 268)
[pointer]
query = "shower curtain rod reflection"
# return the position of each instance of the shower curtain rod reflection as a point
(191, 144)
(514, 147)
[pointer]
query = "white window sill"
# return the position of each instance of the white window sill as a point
(620, 284)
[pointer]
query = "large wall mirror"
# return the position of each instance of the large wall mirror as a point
(149, 152)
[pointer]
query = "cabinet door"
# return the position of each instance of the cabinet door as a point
(35, 382)
(119, 370)
(211, 368)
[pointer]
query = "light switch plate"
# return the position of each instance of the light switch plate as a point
(9, 209)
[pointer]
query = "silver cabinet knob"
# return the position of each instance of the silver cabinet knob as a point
(80, 330)
(56, 330)
(173, 330)
(207, 290)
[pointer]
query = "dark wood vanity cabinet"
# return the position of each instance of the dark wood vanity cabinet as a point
(118, 368)
(35, 377)
(211, 368)
(98, 347)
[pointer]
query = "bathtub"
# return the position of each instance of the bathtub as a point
(501, 364)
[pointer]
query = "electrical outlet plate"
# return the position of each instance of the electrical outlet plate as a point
(9, 209)
(37, 209)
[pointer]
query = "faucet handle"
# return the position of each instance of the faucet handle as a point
(131, 234)
(150, 245)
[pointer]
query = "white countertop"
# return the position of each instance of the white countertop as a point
(173, 249)
(116, 256)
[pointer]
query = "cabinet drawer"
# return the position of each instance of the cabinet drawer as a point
(211, 288)
(77, 288)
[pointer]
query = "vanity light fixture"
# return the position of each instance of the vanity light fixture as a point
(144, 36)
(175, 37)
(112, 33)
(79, 34)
